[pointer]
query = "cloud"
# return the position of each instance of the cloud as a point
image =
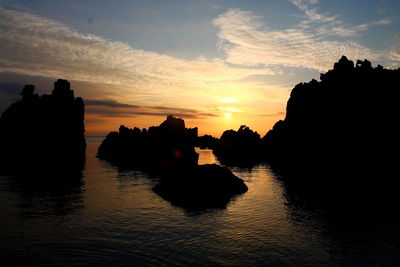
(341, 30)
(174, 109)
(394, 53)
(312, 12)
(249, 42)
(324, 24)
(124, 114)
(273, 114)
(109, 103)
(34, 45)
(111, 108)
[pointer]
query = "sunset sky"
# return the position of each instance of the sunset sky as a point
(216, 64)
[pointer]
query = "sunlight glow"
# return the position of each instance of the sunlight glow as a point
(228, 115)
(230, 109)
(228, 100)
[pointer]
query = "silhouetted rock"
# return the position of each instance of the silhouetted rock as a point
(204, 186)
(43, 132)
(169, 150)
(206, 141)
(27, 92)
(341, 132)
(166, 146)
(238, 146)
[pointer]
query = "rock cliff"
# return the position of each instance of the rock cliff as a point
(343, 125)
(44, 131)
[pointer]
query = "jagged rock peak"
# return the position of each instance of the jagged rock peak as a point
(344, 64)
(173, 123)
(27, 91)
(62, 88)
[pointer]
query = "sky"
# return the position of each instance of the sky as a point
(216, 64)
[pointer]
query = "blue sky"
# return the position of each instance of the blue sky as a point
(193, 57)
(185, 28)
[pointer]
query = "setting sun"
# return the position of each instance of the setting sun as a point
(228, 115)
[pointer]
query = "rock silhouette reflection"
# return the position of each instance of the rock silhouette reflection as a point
(47, 192)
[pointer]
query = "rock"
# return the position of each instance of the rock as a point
(169, 151)
(206, 141)
(342, 127)
(43, 132)
(238, 146)
(27, 91)
(201, 187)
(169, 145)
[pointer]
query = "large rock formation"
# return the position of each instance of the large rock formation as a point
(159, 148)
(43, 131)
(238, 146)
(344, 126)
(168, 150)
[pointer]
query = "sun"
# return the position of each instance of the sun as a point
(228, 115)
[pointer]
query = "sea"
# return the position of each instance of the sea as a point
(111, 217)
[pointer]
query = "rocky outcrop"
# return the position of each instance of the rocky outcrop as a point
(169, 151)
(44, 131)
(203, 187)
(206, 141)
(343, 125)
(163, 147)
(238, 146)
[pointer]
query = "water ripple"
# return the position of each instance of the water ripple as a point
(114, 218)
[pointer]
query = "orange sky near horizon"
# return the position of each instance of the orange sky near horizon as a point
(214, 127)
(226, 117)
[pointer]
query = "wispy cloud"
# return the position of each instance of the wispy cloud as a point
(340, 29)
(118, 80)
(327, 24)
(324, 24)
(273, 114)
(34, 45)
(109, 103)
(311, 12)
(247, 41)
(394, 53)
(111, 108)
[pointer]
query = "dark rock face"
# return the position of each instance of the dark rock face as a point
(204, 186)
(161, 147)
(238, 146)
(344, 126)
(44, 131)
(168, 150)
(206, 141)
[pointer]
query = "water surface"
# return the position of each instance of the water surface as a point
(110, 216)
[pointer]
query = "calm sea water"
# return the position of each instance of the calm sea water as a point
(112, 217)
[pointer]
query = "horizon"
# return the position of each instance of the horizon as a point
(216, 64)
